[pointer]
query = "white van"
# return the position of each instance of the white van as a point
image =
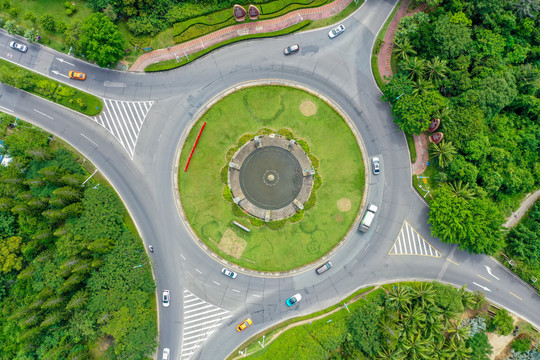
(368, 217)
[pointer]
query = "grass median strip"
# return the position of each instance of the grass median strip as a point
(74, 99)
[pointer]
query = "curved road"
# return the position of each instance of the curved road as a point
(135, 144)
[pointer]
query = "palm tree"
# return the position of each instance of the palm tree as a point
(462, 191)
(460, 350)
(468, 299)
(403, 48)
(416, 347)
(436, 69)
(386, 354)
(456, 332)
(443, 152)
(424, 293)
(420, 86)
(399, 296)
(415, 66)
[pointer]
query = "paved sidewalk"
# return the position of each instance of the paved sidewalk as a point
(385, 69)
(241, 29)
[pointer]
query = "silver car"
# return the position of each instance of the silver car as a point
(166, 298)
(291, 49)
(19, 47)
(376, 165)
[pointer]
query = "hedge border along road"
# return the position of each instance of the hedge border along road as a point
(42, 86)
(173, 63)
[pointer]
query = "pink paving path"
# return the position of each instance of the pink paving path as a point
(238, 30)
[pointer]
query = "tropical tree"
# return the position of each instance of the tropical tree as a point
(399, 297)
(421, 86)
(527, 8)
(101, 41)
(461, 190)
(436, 69)
(415, 66)
(443, 152)
(414, 346)
(403, 48)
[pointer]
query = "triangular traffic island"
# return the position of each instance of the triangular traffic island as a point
(253, 12)
(239, 13)
(409, 242)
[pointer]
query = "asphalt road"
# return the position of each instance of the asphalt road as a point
(205, 305)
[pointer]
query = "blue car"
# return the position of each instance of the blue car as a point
(294, 299)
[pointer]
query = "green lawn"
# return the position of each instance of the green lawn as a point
(330, 139)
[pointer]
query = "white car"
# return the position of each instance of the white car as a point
(166, 298)
(229, 273)
(291, 49)
(335, 32)
(19, 47)
(166, 353)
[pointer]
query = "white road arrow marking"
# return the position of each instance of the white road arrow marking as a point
(64, 61)
(58, 73)
(489, 272)
(483, 287)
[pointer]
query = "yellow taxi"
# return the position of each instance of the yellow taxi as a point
(77, 75)
(244, 325)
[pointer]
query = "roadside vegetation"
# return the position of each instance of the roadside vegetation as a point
(398, 321)
(474, 65)
(280, 245)
(21, 78)
(67, 257)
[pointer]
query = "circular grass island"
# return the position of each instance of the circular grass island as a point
(317, 226)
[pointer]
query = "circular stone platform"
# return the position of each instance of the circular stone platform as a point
(270, 177)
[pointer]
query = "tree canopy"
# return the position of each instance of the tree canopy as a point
(100, 40)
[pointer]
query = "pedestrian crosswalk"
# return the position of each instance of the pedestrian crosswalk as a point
(409, 242)
(200, 320)
(124, 119)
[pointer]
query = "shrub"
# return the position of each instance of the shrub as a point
(311, 201)
(65, 91)
(318, 182)
(304, 145)
(256, 221)
(238, 211)
(69, 12)
(276, 225)
(477, 325)
(244, 139)
(286, 133)
(265, 131)
(2, 21)
(10, 27)
(297, 217)
(227, 194)
(67, 4)
(47, 22)
(61, 27)
(224, 174)
(6, 4)
(503, 322)
(231, 152)
(14, 12)
(521, 345)
(81, 103)
(314, 161)
(30, 16)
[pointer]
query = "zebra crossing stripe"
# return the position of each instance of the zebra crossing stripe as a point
(409, 242)
(124, 120)
(203, 319)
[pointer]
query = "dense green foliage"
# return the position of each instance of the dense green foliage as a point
(66, 260)
(416, 321)
(482, 58)
(13, 75)
(523, 245)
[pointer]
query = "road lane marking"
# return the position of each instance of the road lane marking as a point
(452, 261)
(256, 295)
(483, 287)
(511, 293)
(182, 256)
(6, 109)
(236, 290)
(87, 138)
(197, 270)
(480, 276)
(39, 112)
(216, 282)
(489, 272)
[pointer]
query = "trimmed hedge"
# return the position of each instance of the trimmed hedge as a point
(21, 78)
(172, 64)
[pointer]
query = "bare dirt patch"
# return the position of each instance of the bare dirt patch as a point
(501, 344)
(232, 244)
(308, 108)
(344, 204)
